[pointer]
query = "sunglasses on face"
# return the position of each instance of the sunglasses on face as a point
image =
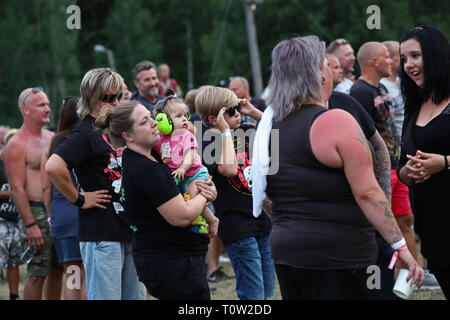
(34, 90)
(232, 110)
(335, 44)
(110, 98)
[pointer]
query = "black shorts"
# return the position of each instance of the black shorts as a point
(179, 278)
(304, 284)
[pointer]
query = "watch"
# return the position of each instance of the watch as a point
(80, 200)
(447, 167)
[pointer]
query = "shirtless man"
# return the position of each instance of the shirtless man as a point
(23, 162)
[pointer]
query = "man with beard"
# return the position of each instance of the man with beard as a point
(344, 51)
(146, 81)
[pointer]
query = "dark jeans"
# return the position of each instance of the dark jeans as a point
(443, 277)
(304, 284)
(179, 278)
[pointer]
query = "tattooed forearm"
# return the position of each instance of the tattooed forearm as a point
(382, 164)
(362, 138)
(394, 232)
(387, 209)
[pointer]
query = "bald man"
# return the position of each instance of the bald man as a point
(375, 62)
(23, 164)
(240, 86)
(336, 69)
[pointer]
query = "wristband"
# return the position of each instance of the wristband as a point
(398, 246)
(80, 200)
(30, 225)
(446, 163)
(226, 134)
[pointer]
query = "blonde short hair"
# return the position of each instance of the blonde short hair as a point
(211, 100)
(95, 83)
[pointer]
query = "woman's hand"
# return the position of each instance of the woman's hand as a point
(407, 261)
(207, 189)
(96, 199)
(423, 165)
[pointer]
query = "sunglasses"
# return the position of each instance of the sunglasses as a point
(110, 98)
(34, 90)
(232, 110)
(335, 44)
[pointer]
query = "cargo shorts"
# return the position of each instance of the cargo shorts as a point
(46, 258)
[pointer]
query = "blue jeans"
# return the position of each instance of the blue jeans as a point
(110, 271)
(252, 263)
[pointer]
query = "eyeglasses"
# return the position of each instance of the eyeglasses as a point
(232, 110)
(34, 90)
(161, 103)
(335, 44)
(110, 98)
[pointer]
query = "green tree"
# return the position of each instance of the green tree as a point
(130, 32)
(38, 50)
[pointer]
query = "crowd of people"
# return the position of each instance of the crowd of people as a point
(141, 192)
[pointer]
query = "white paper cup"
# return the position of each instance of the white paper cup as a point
(403, 288)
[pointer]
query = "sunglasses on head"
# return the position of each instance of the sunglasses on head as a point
(335, 44)
(110, 98)
(34, 90)
(232, 110)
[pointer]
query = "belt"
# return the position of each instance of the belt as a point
(37, 204)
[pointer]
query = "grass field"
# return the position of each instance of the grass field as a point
(224, 290)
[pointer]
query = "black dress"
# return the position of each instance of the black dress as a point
(430, 199)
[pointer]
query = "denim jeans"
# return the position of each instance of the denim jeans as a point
(252, 263)
(110, 271)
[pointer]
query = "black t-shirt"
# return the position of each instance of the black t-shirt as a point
(259, 103)
(378, 104)
(339, 100)
(8, 209)
(97, 165)
(317, 223)
(234, 204)
(146, 186)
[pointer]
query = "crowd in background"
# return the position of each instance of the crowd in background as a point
(122, 191)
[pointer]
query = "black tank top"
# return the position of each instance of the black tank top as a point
(317, 223)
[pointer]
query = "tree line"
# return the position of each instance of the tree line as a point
(203, 41)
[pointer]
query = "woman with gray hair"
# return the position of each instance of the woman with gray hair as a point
(326, 200)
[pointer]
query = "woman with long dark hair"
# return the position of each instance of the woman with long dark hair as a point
(63, 214)
(425, 85)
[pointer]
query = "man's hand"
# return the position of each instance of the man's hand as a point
(35, 238)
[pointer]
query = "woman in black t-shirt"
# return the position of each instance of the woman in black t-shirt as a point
(168, 246)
